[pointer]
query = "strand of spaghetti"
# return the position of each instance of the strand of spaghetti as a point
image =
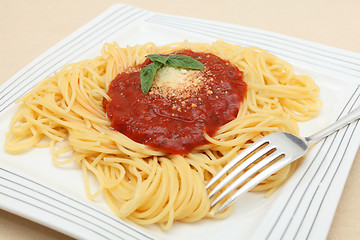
(85, 168)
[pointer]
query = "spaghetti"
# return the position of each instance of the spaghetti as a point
(65, 113)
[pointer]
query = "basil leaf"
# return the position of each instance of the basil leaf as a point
(158, 58)
(147, 75)
(184, 61)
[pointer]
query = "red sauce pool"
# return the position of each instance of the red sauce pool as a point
(167, 123)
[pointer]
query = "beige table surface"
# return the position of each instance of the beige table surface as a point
(29, 27)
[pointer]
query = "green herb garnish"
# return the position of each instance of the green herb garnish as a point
(147, 74)
(184, 61)
(158, 58)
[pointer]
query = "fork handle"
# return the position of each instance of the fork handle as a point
(342, 122)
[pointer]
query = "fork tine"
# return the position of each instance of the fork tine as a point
(242, 179)
(233, 162)
(240, 168)
(255, 181)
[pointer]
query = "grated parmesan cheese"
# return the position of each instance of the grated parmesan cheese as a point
(177, 82)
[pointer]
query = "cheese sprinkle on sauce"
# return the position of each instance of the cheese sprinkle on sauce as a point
(178, 83)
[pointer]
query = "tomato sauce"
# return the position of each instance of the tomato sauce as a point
(176, 124)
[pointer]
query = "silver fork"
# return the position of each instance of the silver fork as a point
(282, 148)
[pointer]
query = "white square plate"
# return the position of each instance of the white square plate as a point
(32, 187)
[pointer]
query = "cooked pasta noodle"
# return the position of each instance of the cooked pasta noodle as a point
(65, 113)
